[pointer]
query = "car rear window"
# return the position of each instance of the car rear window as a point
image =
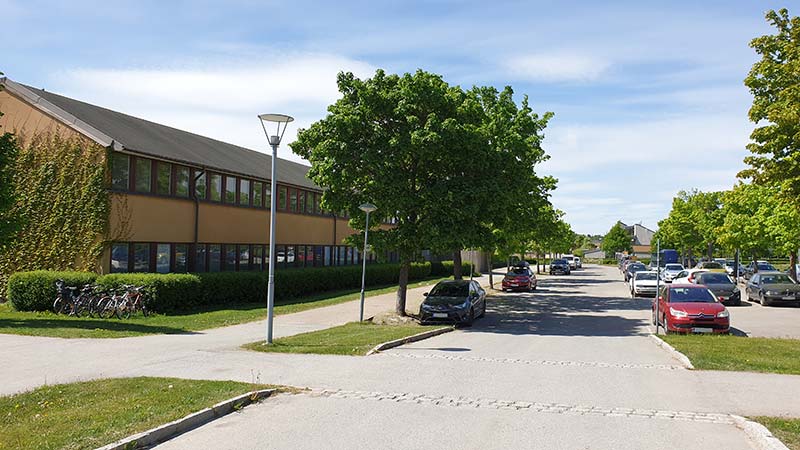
(646, 276)
(712, 265)
(776, 279)
(766, 267)
(450, 290)
(673, 267)
(518, 271)
(690, 295)
(714, 278)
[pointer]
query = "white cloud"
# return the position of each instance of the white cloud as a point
(555, 67)
(220, 100)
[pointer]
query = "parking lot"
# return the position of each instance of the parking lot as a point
(754, 320)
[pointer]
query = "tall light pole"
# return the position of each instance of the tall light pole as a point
(658, 280)
(367, 208)
(274, 142)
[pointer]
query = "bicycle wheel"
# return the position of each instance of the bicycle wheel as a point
(124, 309)
(109, 307)
(58, 305)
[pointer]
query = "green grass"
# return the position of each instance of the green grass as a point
(353, 338)
(53, 325)
(785, 429)
(95, 413)
(739, 353)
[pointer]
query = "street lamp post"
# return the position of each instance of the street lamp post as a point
(274, 142)
(367, 208)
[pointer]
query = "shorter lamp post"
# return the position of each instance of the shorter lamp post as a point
(367, 208)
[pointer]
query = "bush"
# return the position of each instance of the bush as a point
(445, 268)
(31, 291)
(36, 291)
(164, 292)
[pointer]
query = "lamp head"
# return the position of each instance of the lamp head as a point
(368, 207)
(278, 120)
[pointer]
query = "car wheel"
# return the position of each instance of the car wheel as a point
(664, 324)
(483, 310)
(653, 316)
(763, 301)
(470, 318)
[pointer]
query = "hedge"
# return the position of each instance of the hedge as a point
(36, 291)
(445, 268)
(171, 292)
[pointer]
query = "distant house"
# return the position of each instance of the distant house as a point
(641, 235)
(594, 254)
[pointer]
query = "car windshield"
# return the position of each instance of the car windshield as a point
(635, 267)
(673, 267)
(450, 290)
(646, 276)
(714, 278)
(560, 261)
(765, 266)
(776, 279)
(690, 295)
(712, 265)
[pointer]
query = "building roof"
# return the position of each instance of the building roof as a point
(139, 136)
(640, 233)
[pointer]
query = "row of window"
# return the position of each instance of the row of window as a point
(165, 257)
(143, 175)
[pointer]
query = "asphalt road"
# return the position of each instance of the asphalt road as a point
(569, 366)
(754, 320)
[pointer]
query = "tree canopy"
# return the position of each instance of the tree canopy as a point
(617, 240)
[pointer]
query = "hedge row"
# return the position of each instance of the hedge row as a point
(35, 291)
(445, 268)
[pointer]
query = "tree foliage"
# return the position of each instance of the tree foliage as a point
(617, 240)
(693, 222)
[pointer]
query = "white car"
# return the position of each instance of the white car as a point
(571, 260)
(670, 271)
(644, 283)
(686, 276)
(578, 263)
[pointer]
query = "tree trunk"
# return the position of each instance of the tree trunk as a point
(755, 266)
(710, 251)
(489, 265)
(457, 269)
(402, 287)
(793, 266)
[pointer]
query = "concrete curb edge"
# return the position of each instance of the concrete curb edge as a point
(170, 430)
(683, 359)
(759, 434)
(413, 338)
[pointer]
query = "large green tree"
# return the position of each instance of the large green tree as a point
(774, 81)
(617, 240)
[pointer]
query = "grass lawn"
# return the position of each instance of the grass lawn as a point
(353, 338)
(95, 413)
(739, 353)
(787, 430)
(49, 324)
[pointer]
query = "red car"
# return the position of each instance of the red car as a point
(519, 278)
(691, 308)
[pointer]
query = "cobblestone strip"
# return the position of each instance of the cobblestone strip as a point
(552, 408)
(537, 362)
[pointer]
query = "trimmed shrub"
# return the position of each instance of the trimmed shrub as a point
(36, 291)
(165, 292)
(445, 268)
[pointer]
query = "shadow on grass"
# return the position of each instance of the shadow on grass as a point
(105, 325)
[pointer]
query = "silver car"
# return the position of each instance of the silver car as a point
(670, 271)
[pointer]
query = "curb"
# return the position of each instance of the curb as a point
(414, 338)
(683, 359)
(758, 434)
(170, 430)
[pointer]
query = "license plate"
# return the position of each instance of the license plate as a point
(702, 330)
(513, 284)
(789, 297)
(439, 315)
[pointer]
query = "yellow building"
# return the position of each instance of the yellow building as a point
(183, 202)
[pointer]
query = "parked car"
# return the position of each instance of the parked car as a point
(670, 271)
(520, 277)
(687, 276)
(690, 308)
(632, 268)
(712, 266)
(559, 266)
(772, 287)
(722, 286)
(453, 301)
(730, 265)
(762, 266)
(644, 283)
(578, 263)
(570, 259)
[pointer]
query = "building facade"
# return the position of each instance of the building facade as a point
(183, 202)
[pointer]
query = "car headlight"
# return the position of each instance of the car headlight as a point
(724, 313)
(772, 293)
(677, 312)
(425, 306)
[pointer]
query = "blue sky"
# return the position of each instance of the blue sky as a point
(647, 95)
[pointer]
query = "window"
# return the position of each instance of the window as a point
(356, 256)
(144, 179)
(200, 258)
(350, 255)
(200, 186)
(293, 200)
(267, 196)
(301, 201)
(340, 256)
(214, 258)
(290, 255)
(215, 186)
(244, 257)
(181, 254)
(317, 208)
(280, 256)
(244, 192)
(230, 189)
(318, 256)
(310, 203)
(120, 171)
(164, 178)
(181, 181)
(163, 255)
(327, 255)
(258, 198)
(282, 198)
(119, 258)
(258, 258)
(301, 256)
(230, 257)
(141, 257)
